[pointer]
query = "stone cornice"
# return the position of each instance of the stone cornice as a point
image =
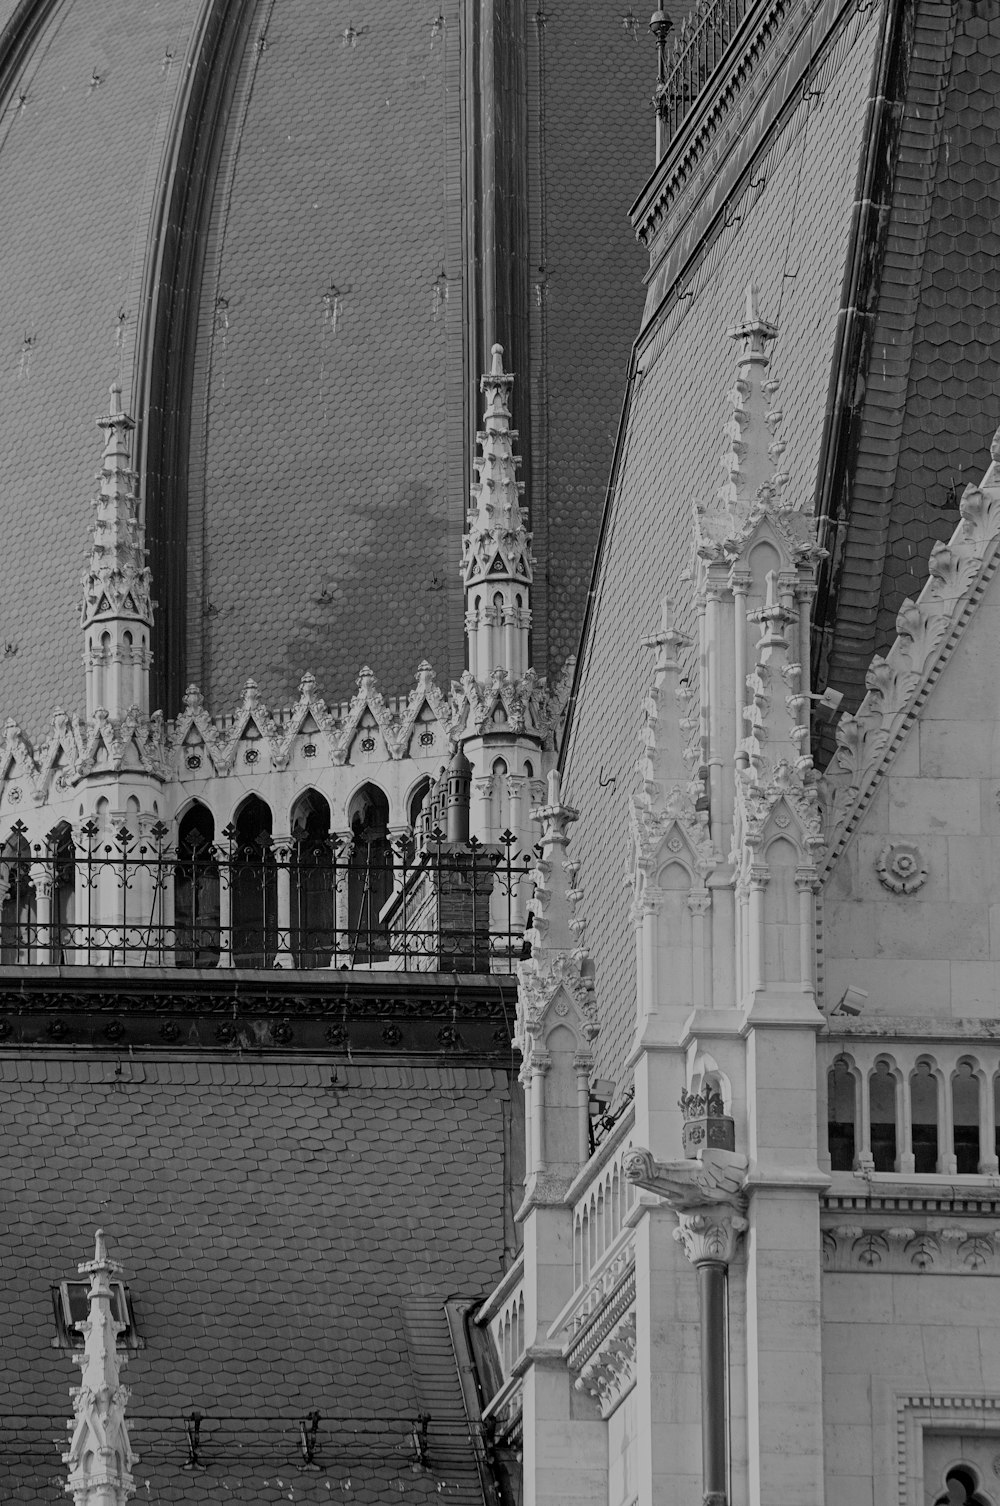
(453, 1018)
(887, 1194)
(842, 1029)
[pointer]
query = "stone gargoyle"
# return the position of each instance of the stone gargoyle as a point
(716, 1176)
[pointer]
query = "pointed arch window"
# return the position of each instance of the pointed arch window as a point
(966, 1119)
(882, 1098)
(313, 882)
(253, 877)
(369, 876)
(842, 1116)
(924, 1118)
(196, 891)
(18, 910)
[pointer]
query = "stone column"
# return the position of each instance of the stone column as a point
(41, 878)
(283, 848)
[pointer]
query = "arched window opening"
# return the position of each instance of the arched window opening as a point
(841, 1114)
(196, 891)
(253, 877)
(17, 913)
(965, 1112)
(924, 1119)
(313, 908)
(961, 1488)
(417, 803)
(369, 875)
(62, 855)
(882, 1098)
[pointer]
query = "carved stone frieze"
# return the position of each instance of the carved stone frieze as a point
(971, 1248)
(198, 744)
(609, 1372)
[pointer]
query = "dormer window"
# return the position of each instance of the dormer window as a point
(71, 1306)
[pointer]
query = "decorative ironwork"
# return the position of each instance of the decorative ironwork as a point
(94, 896)
(699, 47)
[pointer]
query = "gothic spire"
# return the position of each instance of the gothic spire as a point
(557, 929)
(117, 582)
(753, 455)
(117, 612)
(662, 764)
(100, 1457)
(497, 545)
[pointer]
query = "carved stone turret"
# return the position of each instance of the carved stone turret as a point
(117, 611)
(100, 1456)
(507, 714)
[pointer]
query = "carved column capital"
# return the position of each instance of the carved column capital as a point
(709, 1234)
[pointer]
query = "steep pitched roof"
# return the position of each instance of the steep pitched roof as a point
(932, 353)
(276, 1227)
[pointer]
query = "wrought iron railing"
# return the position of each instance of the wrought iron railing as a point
(117, 897)
(699, 46)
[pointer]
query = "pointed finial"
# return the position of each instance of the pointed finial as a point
(100, 1455)
(755, 332)
(752, 316)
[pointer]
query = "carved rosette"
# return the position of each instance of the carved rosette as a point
(901, 868)
(710, 1234)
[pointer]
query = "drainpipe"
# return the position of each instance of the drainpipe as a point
(714, 1391)
(709, 1236)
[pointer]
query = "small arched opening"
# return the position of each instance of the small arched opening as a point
(961, 1488)
(253, 877)
(196, 891)
(882, 1101)
(966, 1119)
(369, 874)
(924, 1118)
(313, 890)
(841, 1101)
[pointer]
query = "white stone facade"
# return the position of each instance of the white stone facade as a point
(816, 959)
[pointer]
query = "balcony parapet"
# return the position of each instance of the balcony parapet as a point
(773, 48)
(912, 1098)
